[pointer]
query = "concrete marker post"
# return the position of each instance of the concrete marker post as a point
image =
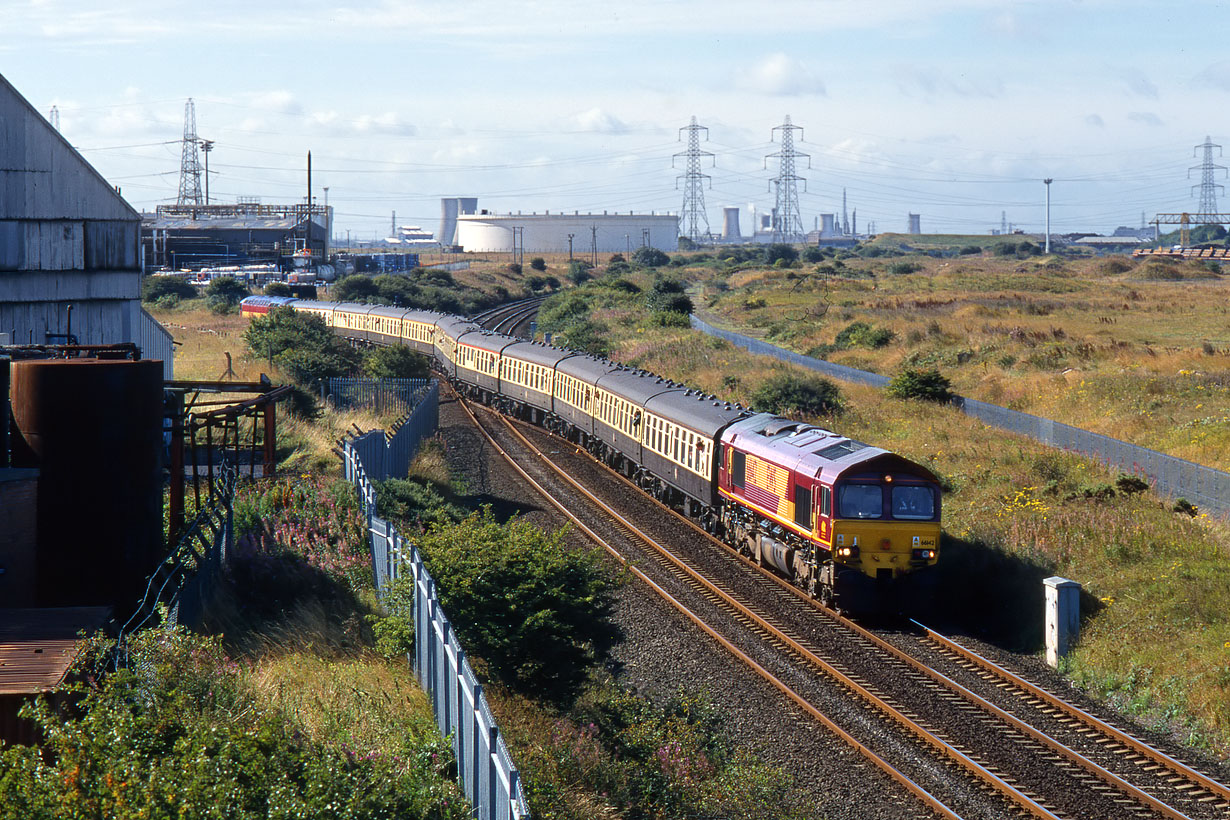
(1063, 617)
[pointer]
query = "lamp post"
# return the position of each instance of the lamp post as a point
(1048, 181)
(206, 147)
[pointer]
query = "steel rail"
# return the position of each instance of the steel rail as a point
(1108, 777)
(1140, 747)
(989, 778)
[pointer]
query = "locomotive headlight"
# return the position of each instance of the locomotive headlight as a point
(924, 555)
(847, 553)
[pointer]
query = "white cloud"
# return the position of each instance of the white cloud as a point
(781, 75)
(1216, 76)
(1095, 120)
(932, 82)
(1137, 83)
(599, 121)
(1145, 118)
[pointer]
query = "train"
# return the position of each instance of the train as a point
(854, 525)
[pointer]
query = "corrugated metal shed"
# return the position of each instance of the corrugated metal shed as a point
(66, 237)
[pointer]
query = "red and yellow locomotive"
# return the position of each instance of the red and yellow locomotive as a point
(847, 521)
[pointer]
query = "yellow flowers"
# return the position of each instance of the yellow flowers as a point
(1023, 500)
(1110, 599)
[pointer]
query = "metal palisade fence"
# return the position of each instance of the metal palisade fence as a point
(488, 777)
(1205, 487)
(389, 455)
(381, 395)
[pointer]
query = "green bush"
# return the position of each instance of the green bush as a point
(224, 294)
(902, 268)
(396, 362)
(970, 250)
(154, 288)
(861, 334)
(416, 503)
(301, 344)
(578, 272)
(670, 318)
(780, 252)
(179, 733)
(278, 289)
(538, 612)
(787, 392)
(921, 384)
(538, 263)
(648, 257)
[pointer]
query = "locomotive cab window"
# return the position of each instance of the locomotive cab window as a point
(802, 506)
(913, 503)
(826, 502)
(860, 501)
(738, 468)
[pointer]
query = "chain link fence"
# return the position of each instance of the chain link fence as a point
(1205, 487)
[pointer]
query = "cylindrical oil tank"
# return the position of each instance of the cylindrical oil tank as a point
(94, 430)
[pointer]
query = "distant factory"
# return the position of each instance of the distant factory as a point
(179, 237)
(462, 225)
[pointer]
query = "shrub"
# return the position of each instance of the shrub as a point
(578, 272)
(648, 257)
(670, 318)
(813, 254)
(301, 344)
(970, 250)
(538, 263)
(861, 334)
(780, 251)
(921, 384)
(538, 612)
(416, 502)
(278, 289)
(224, 294)
(154, 288)
(396, 362)
(1005, 249)
(1130, 484)
(622, 285)
(804, 395)
(902, 268)
(514, 267)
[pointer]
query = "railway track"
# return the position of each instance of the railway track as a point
(513, 318)
(965, 737)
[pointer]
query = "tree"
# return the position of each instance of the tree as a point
(538, 263)
(805, 395)
(357, 287)
(921, 384)
(278, 289)
(538, 612)
(301, 344)
(224, 294)
(396, 362)
(648, 257)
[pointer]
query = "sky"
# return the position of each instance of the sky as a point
(952, 109)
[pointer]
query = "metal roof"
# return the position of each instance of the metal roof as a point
(37, 646)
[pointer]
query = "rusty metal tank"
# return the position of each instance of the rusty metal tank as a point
(93, 429)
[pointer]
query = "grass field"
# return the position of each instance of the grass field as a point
(1138, 351)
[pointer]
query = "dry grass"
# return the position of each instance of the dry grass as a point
(1094, 342)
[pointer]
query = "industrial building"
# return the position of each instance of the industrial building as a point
(70, 266)
(179, 237)
(485, 232)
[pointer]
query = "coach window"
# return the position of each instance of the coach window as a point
(738, 468)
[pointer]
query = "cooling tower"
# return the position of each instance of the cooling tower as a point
(828, 225)
(915, 223)
(730, 224)
(450, 208)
